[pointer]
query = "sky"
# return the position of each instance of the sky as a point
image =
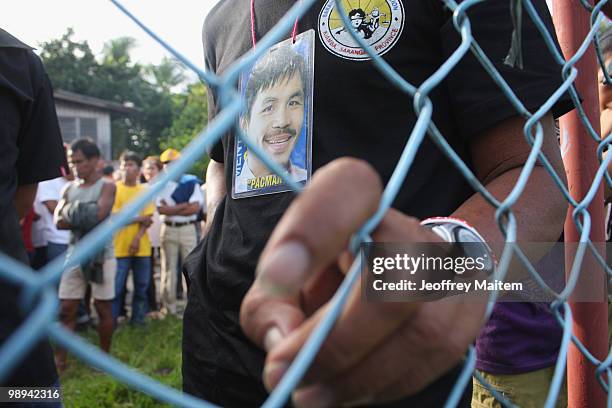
(179, 22)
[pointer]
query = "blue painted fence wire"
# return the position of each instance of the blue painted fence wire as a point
(40, 302)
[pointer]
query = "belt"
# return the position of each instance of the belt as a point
(179, 224)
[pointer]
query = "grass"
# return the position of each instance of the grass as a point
(154, 350)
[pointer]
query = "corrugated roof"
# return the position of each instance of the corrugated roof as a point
(90, 101)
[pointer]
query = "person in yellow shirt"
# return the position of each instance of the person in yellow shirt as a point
(132, 245)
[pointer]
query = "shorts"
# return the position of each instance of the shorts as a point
(73, 284)
(528, 390)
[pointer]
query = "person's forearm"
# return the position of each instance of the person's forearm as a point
(106, 201)
(607, 9)
(165, 210)
(172, 209)
(188, 209)
(141, 219)
(51, 205)
(58, 218)
(24, 197)
(63, 225)
(607, 188)
(215, 189)
(539, 212)
(135, 245)
(141, 231)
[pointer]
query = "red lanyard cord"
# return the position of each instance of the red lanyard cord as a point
(254, 34)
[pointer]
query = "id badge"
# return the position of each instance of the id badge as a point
(277, 117)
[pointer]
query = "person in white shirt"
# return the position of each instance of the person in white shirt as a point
(39, 242)
(178, 206)
(151, 166)
(47, 197)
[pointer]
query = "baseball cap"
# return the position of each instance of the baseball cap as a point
(169, 155)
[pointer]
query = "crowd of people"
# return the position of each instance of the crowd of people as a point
(242, 329)
(68, 207)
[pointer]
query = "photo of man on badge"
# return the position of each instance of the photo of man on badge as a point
(275, 94)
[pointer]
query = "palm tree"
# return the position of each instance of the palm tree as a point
(166, 75)
(117, 51)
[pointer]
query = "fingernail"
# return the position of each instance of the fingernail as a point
(284, 270)
(273, 373)
(315, 396)
(272, 338)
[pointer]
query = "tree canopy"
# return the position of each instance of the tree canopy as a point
(164, 117)
(190, 113)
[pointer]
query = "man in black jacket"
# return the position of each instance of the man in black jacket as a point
(32, 151)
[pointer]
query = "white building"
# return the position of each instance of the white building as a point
(85, 116)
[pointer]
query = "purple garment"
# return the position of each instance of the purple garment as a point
(518, 338)
(521, 336)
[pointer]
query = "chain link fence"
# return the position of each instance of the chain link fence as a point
(40, 299)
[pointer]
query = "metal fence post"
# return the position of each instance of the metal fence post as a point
(590, 324)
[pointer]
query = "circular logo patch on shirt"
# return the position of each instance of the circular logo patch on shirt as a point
(378, 22)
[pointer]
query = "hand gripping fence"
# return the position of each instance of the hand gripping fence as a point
(40, 301)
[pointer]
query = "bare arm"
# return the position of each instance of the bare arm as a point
(179, 209)
(105, 205)
(605, 119)
(138, 219)
(60, 223)
(50, 205)
(299, 262)
(607, 188)
(106, 200)
(607, 9)
(143, 219)
(165, 209)
(188, 209)
(498, 156)
(24, 197)
(215, 189)
(135, 244)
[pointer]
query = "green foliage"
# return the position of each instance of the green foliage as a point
(166, 75)
(72, 67)
(190, 117)
(153, 350)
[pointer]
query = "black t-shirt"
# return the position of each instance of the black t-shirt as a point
(358, 113)
(30, 151)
